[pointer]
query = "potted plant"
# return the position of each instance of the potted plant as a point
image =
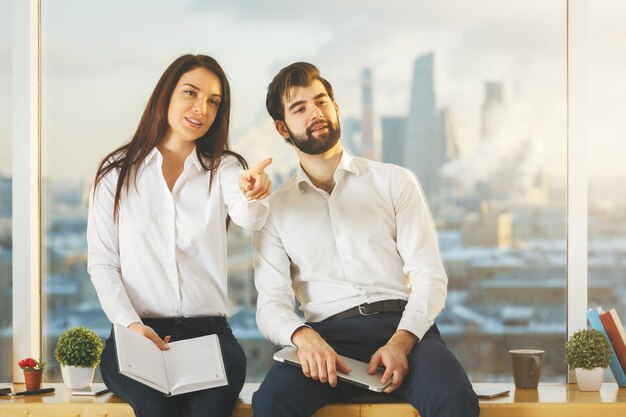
(78, 351)
(588, 353)
(33, 371)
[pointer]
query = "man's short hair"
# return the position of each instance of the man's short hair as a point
(298, 74)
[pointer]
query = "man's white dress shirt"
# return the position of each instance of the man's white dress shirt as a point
(166, 254)
(371, 239)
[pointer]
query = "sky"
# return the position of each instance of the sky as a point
(101, 60)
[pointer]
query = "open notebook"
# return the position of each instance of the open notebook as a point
(188, 365)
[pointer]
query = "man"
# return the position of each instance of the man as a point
(354, 241)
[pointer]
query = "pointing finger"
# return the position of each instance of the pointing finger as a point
(258, 168)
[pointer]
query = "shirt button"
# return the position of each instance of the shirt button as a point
(347, 262)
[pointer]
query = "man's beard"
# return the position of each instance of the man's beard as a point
(312, 145)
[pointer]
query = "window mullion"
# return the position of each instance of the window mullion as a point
(26, 182)
(577, 175)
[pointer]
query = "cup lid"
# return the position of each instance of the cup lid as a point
(527, 351)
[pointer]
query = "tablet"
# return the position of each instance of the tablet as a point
(92, 390)
(358, 376)
(490, 393)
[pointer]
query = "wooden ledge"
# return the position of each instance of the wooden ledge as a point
(550, 400)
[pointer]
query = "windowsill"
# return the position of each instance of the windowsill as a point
(552, 400)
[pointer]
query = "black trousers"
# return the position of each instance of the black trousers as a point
(147, 401)
(436, 384)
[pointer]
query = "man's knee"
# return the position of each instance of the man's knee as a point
(438, 384)
(456, 399)
(460, 400)
(285, 394)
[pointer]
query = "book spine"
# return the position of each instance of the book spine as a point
(616, 368)
(614, 337)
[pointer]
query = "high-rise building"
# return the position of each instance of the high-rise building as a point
(422, 147)
(447, 130)
(6, 197)
(351, 135)
(393, 140)
(368, 145)
(492, 106)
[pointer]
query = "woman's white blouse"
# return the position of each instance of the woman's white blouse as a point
(166, 254)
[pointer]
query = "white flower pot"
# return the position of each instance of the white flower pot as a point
(589, 379)
(75, 377)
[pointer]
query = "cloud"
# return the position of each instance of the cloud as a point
(116, 50)
(262, 141)
(509, 149)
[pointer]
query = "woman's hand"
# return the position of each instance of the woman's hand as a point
(148, 332)
(254, 183)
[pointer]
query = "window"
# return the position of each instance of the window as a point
(487, 121)
(607, 203)
(6, 196)
(470, 97)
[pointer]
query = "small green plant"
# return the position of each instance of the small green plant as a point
(78, 347)
(587, 349)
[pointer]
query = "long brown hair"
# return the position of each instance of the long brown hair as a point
(153, 127)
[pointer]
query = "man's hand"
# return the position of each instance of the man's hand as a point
(254, 183)
(393, 356)
(319, 361)
(150, 334)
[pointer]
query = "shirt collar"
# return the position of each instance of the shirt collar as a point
(153, 154)
(191, 159)
(346, 164)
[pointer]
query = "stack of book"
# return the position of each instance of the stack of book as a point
(611, 326)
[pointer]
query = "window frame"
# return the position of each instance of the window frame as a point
(577, 175)
(26, 142)
(26, 71)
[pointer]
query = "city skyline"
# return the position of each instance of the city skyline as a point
(466, 37)
(94, 86)
(491, 65)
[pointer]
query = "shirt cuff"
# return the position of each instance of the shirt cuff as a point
(288, 331)
(258, 203)
(416, 325)
(126, 319)
(264, 201)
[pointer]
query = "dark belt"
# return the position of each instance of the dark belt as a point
(184, 321)
(385, 306)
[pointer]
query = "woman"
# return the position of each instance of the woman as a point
(157, 230)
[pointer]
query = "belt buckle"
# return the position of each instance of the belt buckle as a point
(363, 313)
